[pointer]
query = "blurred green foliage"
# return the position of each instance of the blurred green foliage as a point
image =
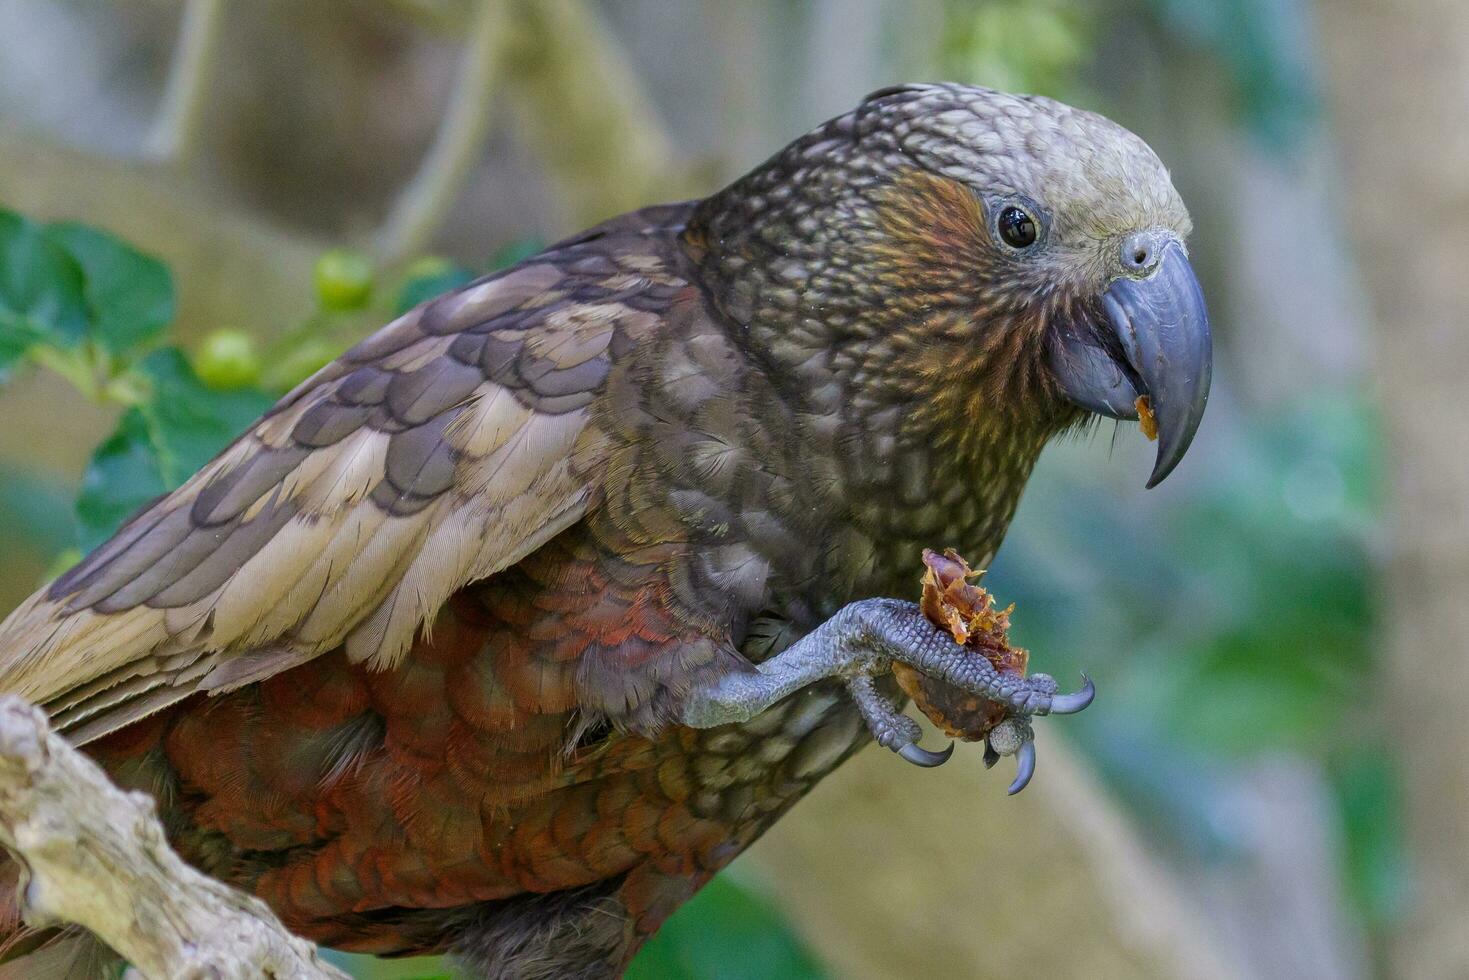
(78, 301)
(41, 291)
(1040, 46)
(1240, 616)
(1368, 800)
(727, 931)
(1266, 47)
(1014, 45)
(1236, 621)
(35, 513)
(428, 278)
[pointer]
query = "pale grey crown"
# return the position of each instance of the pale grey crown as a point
(1094, 178)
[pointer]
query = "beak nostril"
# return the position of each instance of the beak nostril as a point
(1139, 253)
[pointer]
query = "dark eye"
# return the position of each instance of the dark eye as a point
(1017, 228)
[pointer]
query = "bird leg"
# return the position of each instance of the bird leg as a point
(862, 641)
(892, 729)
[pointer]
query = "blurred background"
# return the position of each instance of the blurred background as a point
(200, 202)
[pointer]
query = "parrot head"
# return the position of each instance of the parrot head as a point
(983, 257)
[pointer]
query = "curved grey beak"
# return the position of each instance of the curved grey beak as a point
(1156, 343)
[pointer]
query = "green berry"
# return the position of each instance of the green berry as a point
(343, 280)
(228, 359)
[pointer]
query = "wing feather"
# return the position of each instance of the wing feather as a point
(441, 450)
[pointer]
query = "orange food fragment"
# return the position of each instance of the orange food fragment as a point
(968, 612)
(1145, 417)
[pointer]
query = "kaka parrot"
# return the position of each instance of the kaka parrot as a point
(505, 631)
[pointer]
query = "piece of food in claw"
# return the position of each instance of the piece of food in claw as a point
(968, 612)
(1146, 420)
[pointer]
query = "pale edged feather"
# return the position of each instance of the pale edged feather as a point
(341, 571)
(326, 558)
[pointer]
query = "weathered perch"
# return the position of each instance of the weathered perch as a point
(96, 857)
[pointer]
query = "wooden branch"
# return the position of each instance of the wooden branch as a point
(421, 206)
(584, 111)
(174, 134)
(96, 856)
(967, 881)
(581, 108)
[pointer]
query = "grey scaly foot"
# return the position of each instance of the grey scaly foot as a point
(1013, 736)
(862, 641)
(892, 729)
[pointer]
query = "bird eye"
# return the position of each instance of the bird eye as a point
(1017, 228)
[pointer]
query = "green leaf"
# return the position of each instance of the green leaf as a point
(515, 251)
(1267, 48)
(1378, 867)
(435, 279)
(190, 421)
(17, 334)
(433, 275)
(364, 966)
(726, 931)
(1019, 45)
(160, 443)
(123, 475)
(41, 289)
(35, 513)
(130, 295)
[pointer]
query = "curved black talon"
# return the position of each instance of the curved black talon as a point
(1025, 766)
(1070, 704)
(919, 756)
(990, 755)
